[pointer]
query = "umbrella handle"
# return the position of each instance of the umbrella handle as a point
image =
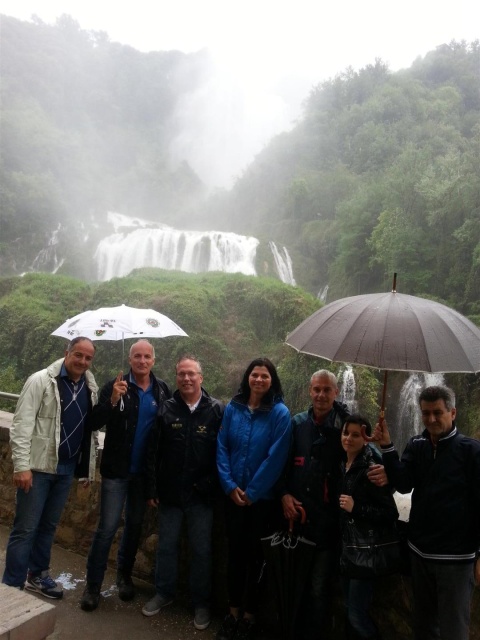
(291, 521)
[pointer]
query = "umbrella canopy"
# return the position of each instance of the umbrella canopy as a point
(118, 323)
(288, 559)
(391, 331)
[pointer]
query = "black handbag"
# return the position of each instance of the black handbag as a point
(369, 551)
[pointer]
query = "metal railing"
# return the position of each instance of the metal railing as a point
(9, 396)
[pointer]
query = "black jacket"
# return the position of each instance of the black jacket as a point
(120, 425)
(181, 456)
(313, 472)
(445, 514)
(373, 505)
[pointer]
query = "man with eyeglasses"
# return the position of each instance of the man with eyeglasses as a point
(128, 407)
(51, 441)
(183, 482)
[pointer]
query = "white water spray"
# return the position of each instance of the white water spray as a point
(283, 263)
(348, 389)
(409, 421)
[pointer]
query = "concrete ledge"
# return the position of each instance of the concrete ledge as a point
(24, 616)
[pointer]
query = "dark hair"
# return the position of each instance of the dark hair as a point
(276, 388)
(432, 394)
(78, 339)
(356, 418)
(188, 356)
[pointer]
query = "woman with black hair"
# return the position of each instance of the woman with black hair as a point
(252, 449)
(370, 506)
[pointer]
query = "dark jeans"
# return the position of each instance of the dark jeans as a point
(245, 527)
(316, 611)
(358, 596)
(117, 493)
(36, 518)
(442, 594)
(199, 518)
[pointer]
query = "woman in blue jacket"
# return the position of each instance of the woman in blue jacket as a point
(252, 449)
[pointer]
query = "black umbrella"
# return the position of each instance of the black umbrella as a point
(392, 332)
(289, 559)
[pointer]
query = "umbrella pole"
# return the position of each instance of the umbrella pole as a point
(384, 395)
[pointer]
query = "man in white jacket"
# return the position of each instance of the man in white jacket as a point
(50, 441)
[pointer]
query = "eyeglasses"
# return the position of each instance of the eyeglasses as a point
(188, 374)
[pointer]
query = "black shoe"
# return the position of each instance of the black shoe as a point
(228, 628)
(126, 589)
(245, 630)
(91, 596)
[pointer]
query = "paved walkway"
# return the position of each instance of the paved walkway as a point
(114, 619)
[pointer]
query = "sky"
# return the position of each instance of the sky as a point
(269, 54)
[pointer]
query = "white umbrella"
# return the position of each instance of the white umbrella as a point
(118, 323)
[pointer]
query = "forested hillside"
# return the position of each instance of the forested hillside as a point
(380, 173)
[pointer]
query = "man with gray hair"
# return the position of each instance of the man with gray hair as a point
(311, 482)
(51, 442)
(442, 467)
(128, 407)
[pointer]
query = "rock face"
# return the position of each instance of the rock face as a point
(392, 605)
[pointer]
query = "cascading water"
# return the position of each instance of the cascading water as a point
(167, 248)
(138, 243)
(348, 389)
(283, 263)
(47, 259)
(322, 294)
(408, 422)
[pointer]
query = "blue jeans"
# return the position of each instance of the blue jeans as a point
(442, 594)
(115, 494)
(358, 595)
(199, 519)
(36, 518)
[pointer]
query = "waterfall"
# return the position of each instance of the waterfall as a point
(47, 259)
(322, 294)
(138, 243)
(347, 394)
(283, 263)
(168, 248)
(409, 422)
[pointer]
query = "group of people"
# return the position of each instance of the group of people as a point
(176, 451)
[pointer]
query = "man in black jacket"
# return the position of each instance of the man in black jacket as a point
(128, 407)
(442, 466)
(311, 480)
(183, 482)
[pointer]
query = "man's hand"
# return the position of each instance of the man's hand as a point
(23, 480)
(377, 475)
(120, 388)
(381, 433)
(153, 502)
(290, 505)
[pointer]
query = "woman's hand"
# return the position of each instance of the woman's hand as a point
(239, 497)
(346, 503)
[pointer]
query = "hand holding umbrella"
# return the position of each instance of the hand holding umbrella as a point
(120, 388)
